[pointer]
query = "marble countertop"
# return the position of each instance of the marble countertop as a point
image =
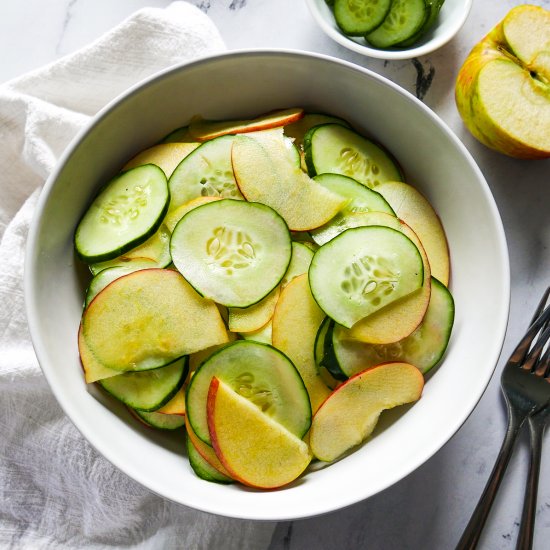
(429, 508)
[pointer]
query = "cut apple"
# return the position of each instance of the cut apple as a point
(415, 210)
(176, 405)
(255, 450)
(503, 88)
(253, 317)
(93, 369)
(296, 320)
(165, 155)
(203, 130)
(263, 177)
(351, 413)
(147, 319)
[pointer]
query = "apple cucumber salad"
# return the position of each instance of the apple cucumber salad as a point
(269, 285)
(386, 23)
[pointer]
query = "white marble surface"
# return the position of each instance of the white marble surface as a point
(428, 509)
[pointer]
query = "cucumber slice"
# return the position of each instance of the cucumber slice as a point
(297, 130)
(403, 21)
(234, 252)
(148, 390)
(259, 372)
(201, 467)
(357, 17)
(424, 348)
(362, 270)
(332, 148)
(206, 172)
(158, 420)
(126, 213)
(361, 199)
(434, 7)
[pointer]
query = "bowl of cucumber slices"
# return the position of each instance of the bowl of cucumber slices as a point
(266, 300)
(390, 29)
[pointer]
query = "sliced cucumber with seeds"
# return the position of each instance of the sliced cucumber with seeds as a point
(206, 172)
(423, 348)
(233, 252)
(357, 17)
(362, 270)
(362, 199)
(334, 149)
(126, 213)
(403, 21)
(259, 372)
(148, 390)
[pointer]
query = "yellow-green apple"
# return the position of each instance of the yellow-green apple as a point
(503, 88)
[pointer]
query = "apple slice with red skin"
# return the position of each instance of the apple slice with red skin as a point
(254, 449)
(203, 130)
(417, 212)
(351, 412)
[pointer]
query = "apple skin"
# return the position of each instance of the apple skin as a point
(493, 47)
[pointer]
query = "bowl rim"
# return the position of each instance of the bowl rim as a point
(258, 513)
(423, 49)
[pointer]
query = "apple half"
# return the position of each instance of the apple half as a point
(503, 88)
(351, 412)
(254, 449)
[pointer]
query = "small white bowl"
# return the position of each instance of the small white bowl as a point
(237, 85)
(452, 16)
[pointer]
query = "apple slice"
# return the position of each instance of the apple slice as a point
(351, 412)
(255, 450)
(296, 320)
(176, 405)
(254, 317)
(266, 173)
(416, 211)
(147, 319)
(503, 88)
(165, 155)
(203, 130)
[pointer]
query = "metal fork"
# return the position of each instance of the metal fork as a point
(526, 390)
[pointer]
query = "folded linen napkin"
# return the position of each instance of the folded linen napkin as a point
(55, 490)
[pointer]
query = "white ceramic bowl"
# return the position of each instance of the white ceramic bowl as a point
(237, 85)
(452, 16)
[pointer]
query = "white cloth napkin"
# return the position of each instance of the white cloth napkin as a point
(55, 490)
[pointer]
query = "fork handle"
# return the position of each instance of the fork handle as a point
(472, 533)
(537, 423)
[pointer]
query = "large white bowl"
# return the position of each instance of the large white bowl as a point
(240, 84)
(452, 16)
